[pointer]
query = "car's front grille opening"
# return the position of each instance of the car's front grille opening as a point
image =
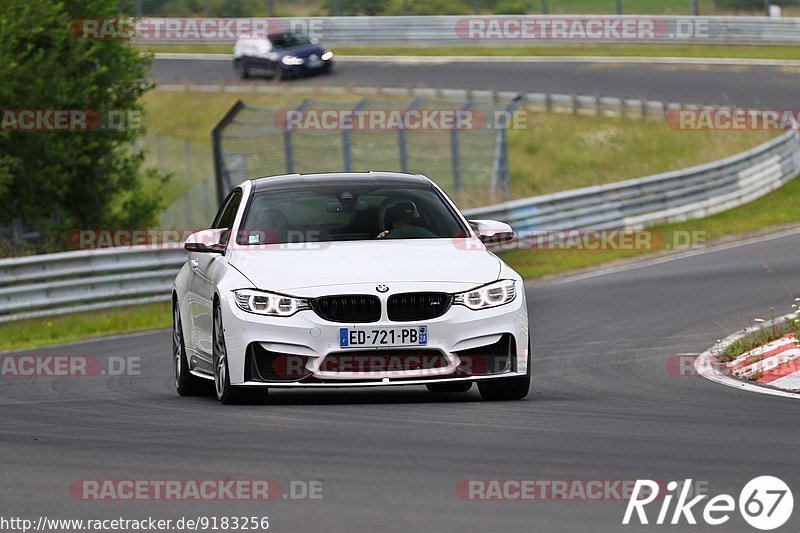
(348, 308)
(267, 366)
(487, 360)
(411, 306)
(366, 362)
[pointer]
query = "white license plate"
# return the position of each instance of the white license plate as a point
(376, 337)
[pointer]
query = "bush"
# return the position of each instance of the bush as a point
(72, 180)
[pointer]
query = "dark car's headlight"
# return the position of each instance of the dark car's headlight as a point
(327, 55)
(268, 303)
(491, 295)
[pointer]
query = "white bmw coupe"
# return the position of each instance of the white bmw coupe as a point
(348, 280)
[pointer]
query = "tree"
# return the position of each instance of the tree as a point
(79, 179)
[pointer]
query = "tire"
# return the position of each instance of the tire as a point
(186, 383)
(458, 386)
(241, 69)
(227, 393)
(507, 389)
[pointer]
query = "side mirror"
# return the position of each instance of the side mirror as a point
(492, 231)
(207, 241)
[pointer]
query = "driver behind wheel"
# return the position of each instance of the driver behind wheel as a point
(400, 215)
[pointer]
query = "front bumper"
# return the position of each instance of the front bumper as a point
(306, 341)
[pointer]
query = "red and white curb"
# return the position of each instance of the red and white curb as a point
(775, 364)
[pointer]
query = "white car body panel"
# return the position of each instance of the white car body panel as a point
(298, 266)
(312, 270)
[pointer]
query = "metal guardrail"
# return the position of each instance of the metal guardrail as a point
(505, 29)
(54, 284)
(663, 198)
(60, 283)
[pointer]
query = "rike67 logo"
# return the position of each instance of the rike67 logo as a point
(765, 503)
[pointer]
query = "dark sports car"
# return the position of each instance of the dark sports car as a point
(285, 55)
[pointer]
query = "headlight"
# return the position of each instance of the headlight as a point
(491, 295)
(327, 55)
(291, 60)
(268, 303)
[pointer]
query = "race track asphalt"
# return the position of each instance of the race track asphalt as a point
(742, 85)
(605, 405)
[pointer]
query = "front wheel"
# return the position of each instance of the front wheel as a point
(507, 389)
(241, 69)
(227, 393)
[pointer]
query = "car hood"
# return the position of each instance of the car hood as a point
(301, 50)
(284, 267)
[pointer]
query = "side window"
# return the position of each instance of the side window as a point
(227, 213)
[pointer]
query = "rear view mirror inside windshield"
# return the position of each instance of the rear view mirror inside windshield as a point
(347, 207)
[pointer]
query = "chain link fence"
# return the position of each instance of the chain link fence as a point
(459, 144)
(189, 194)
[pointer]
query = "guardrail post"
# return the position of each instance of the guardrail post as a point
(454, 151)
(16, 233)
(188, 150)
(401, 135)
(187, 208)
(288, 149)
(216, 143)
(346, 148)
(500, 171)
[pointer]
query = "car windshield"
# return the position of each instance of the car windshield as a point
(322, 213)
(288, 40)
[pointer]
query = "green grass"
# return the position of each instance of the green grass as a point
(751, 341)
(550, 50)
(37, 332)
(554, 152)
(778, 208)
(759, 338)
(559, 152)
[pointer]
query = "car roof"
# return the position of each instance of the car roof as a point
(377, 178)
